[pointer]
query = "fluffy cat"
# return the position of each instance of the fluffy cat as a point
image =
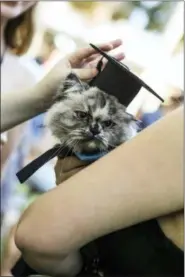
(87, 120)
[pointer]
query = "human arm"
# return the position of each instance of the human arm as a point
(19, 106)
(139, 180)
(10, 254)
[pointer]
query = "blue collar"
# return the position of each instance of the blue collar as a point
(90, 157)
(33, 166)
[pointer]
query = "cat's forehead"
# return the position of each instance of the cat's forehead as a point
(95, 102)
(88, 98)
(98, 103)
(101, 103)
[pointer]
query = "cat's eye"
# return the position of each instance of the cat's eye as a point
(108, 123)
(81, 115)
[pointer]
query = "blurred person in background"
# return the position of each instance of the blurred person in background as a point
(9, 252)
(174, 100)
(46, 49)
(12, 236)
(17, 32)
(55, 243)
(19, 143)
(16, 36)
(133, 209)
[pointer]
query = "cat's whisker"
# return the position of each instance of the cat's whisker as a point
(65, 128)
(111, 144)
(75, 146)
(70, 148)
(99, 108)
(76, 132)
(84, 102)
(72, 142)
(103, 140)
(56, 152)
(108, 143)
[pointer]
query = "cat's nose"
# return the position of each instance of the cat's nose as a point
(94, 130)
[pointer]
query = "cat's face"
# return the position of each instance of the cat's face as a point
(88, 120)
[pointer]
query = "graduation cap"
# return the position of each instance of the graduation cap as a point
(118, 80)
(115, 79)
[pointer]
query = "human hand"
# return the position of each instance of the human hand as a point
(82, 62)
(6, 273)
(67, 167)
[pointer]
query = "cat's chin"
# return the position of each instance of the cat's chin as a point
(90, 147)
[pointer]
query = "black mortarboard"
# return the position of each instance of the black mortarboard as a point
(118, 80)
(115, 79)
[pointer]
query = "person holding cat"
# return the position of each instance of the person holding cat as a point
(21, 104)
(120, 216)
(90, 205)
(37, 99)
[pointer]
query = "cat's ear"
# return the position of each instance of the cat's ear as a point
(72, 81)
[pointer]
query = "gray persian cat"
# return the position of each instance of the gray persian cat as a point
(87, 120)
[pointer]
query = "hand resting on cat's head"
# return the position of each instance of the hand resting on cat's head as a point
(88, 120)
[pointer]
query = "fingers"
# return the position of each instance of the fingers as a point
(93, 64)
(70, 163)
(119, 56)
(114, 43)
(67, 167)
(91, 71)
(92, 58)
(85, 73)
(96, 57)
(78, 56)
(66, 175)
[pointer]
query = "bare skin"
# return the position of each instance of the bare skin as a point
(31, 102)
(25, 104)
(89, 210)
(11, 67)
(11, 253)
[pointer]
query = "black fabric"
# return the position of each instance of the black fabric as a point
(141, 250)
(116, 79)
(122, 87)
(21, 269)
(32, 167)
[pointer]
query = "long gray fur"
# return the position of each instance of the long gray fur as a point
(86, 119)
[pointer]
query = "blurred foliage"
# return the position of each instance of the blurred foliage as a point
(180, 46)
(22, 189)
(28, 193)
(181, 42)
(49, 38)
(122, 12)
(159, 15)
(158, 12)
(86, 7)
